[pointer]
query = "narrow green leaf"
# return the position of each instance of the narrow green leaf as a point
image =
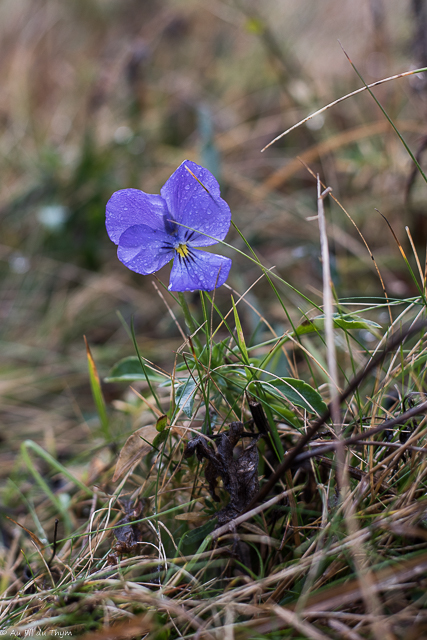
(195, 535)
(130, 370)
(160, 438)
(126, 370)
(144, 367)
(298, 392)
(206, 542)
(28, 445)
(347, 324)
(97, 394)
(317, 325)
(240, 336)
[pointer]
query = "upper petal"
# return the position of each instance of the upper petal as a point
(205, 272)
(129, 207)
(144, 250)
(193, 198)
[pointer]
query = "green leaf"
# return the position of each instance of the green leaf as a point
(185, 396)
(129, 370)
(296, 391)
(346, 323)
(195, 535)
(283, 412)
(126, 370)
(240, 336)
(161, 423)
(160, 438)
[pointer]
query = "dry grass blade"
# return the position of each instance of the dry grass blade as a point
(420, 271)
(384, 579)
(401, 418)
(302, 626)
(399, 244)
(32, 535)
(335, 102)
(137, 625)
(372, 603)
(135, 448)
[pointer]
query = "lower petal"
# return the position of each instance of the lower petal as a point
(204, 272)
(144, 250)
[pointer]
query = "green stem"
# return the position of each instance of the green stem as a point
(189, 320)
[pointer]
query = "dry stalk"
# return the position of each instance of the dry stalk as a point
(371, 600)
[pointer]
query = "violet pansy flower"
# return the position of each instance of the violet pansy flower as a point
(147, 229)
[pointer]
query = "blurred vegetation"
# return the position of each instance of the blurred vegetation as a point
(98, 95)
(101, 95)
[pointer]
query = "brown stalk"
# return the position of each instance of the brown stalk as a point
(371, 601)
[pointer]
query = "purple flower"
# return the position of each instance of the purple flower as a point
(147, 229)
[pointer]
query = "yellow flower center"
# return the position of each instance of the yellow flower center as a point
(183, 251)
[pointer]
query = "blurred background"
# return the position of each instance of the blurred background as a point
(99, 95)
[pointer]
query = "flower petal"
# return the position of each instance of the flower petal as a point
(205, 272)
(144, 250)
(196, 205)
(130, 207)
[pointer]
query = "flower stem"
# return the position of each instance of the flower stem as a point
(189, 320)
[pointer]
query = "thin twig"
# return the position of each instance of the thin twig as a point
(398, 420)
(378, 443)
